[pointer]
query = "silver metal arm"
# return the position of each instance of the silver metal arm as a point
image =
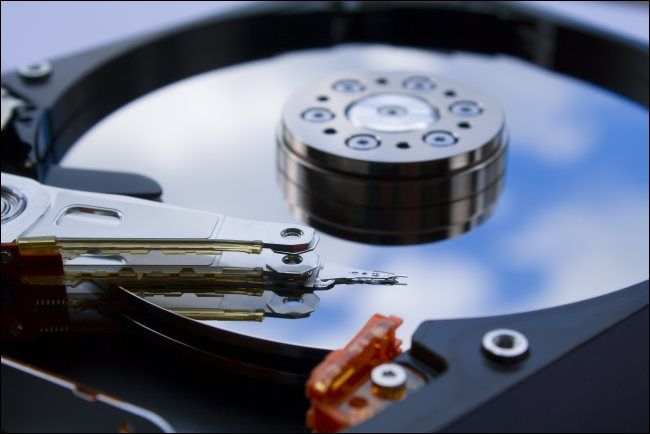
(138, 243)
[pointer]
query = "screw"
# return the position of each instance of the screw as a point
(419, 84)
(317, 114)
(440, 138)
(388, 380)
(362, 142)
(505, 345)
(348, 85)
(466, 108)
(35, 71)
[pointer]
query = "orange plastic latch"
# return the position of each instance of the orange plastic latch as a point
(333, 382)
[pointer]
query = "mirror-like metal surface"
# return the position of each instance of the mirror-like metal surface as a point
(392, 112)
(394, 162)
(572, 221)
(13, 203)
(385, 113)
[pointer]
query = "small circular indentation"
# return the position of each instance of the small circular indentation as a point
(392, 110)
(403, 145)
(329, 131)
(466, 108)
(292, 301)
(323, 98)
(292, 233)
(362, 142)
(358, 402)
(317, 114)
(292, 259)
(419, 84)
(440, 138)
(348, 85)
(382, 80)
(505, 345)
(464, 125)
(450, 93)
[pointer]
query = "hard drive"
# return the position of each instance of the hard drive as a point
(194, 219)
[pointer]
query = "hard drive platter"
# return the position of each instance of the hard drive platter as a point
(364, 216)
(570, 224)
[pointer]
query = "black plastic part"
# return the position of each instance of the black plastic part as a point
(100, 181)
(61, 406)
(587, 371)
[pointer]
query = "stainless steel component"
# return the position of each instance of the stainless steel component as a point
(111, 239)
(36, 71)
(231, 307)
(34, 209)
(228, 272)
(392, 112)
(408, 165)
(77, 222)
(419, 83)
(358, 191)
(380, 226)
(348, 86)
(291, 307)
(389, 379)
(466, 108)
(505, 345)
(13, 203)
(317, 114)
(440, 138)
(308, 141)
(362, 142)
(330, 275)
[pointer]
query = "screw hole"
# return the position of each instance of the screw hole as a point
(504, 341)
(382, 80)
(291, 233)
(358, 402)
(291, 301)
(292, 259)
(450, 93)
(464, 125)
(323, 98)
(329, 131)
(403, 145)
